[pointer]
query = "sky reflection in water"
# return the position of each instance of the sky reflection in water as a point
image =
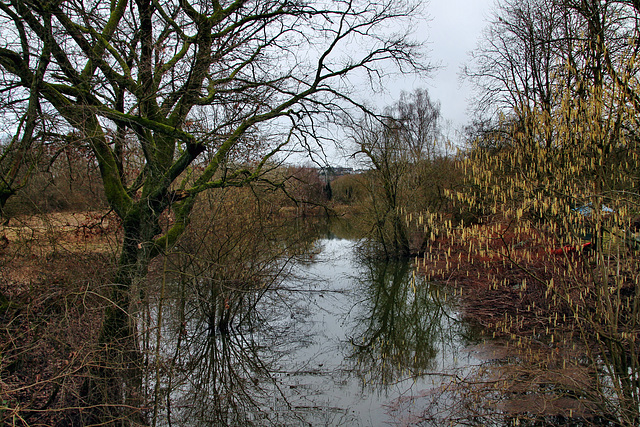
(343, 341)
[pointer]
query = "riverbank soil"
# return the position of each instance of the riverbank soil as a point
(52, 274)
(536, 363)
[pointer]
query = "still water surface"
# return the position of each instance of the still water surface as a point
(341, 341)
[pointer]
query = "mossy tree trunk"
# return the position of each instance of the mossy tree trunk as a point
(151, 87)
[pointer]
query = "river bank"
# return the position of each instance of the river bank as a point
(54, 273)
(525, 297)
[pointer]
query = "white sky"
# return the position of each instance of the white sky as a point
(452, 32)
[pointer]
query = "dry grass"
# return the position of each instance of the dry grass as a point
(53, 271)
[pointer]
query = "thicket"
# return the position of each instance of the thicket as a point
(408, 169)
(54, 274)
(64, 177)
(554, 176)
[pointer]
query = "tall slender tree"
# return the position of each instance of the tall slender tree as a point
(398, 149)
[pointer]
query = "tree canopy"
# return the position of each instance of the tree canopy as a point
(216, 86)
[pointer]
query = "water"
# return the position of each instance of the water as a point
(342, 341)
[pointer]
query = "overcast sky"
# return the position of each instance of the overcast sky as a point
(452, 32)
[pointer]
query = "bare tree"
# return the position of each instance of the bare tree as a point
(18, 156)
(183, 79)
(397, 149)
(208, 91)
(518, 59)
(533, 50)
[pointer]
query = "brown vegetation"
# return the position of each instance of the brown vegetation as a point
(53, 275)
(533, 302)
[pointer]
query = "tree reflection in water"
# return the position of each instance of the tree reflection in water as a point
(403, 324)
(223, 334)
(223, 378)
(334, 345)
